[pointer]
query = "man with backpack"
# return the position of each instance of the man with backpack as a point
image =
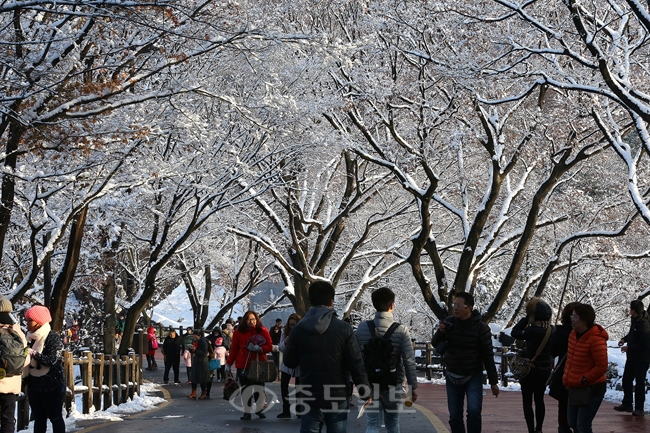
(388, 357)
(13, 351)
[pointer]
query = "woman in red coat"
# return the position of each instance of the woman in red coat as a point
(251, 341)
(586, 365)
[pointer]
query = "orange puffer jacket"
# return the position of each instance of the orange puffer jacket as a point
(586, 356)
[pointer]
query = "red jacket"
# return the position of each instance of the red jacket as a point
(586, 357)
(239, 352)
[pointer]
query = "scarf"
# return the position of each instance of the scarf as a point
(38, 343)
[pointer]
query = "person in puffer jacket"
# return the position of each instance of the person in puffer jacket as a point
(586, 366)
(533, 330)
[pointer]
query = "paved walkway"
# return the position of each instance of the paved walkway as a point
(179, 414)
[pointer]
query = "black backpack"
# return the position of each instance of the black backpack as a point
(380, 358)
(13, 352)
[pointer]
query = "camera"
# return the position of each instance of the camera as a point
(448, 324)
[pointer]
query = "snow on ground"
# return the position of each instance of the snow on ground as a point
(115, 413)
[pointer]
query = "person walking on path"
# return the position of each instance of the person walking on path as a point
(637, 351)
(251, 341)
(276, 336)
(559, 343)
(220, 353)
(468, 351)
(171, 350)
(200, 365)
(327, 353)
(45, 378)
(287, 373)
(536, 331)
(153, 346)
(9, 385)
(389, 398)
(586, 365)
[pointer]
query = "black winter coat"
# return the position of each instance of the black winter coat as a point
(559, 347)
(469, 347)
(533, 336)
(327, 352)
(638, 339)
(172, 348)
(51, 356)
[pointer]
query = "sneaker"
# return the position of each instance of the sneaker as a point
(166, 382)
(284, 415)
(638, 412)
(623, 408)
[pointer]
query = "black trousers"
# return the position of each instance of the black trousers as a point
(46, 405)
(7, 413)
(533, 387)
(172, 364)
(285, 378)
(634, 371)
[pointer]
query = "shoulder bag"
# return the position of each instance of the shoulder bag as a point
(261, 371)
(520, 366)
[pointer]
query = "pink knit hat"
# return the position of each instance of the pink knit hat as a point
(39, 314)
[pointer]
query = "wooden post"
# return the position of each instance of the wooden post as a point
(429, 360)
(141, 346)
(68, 366)
(98, 388)
(504, 366)
(117, 393)
(87, 380)
(108, 372)
(125, 378)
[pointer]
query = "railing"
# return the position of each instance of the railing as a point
(105, 380)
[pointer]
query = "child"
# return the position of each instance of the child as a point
(220, 353)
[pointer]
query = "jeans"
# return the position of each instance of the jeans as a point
(46, 405)
(7, 411)
(581, 417)
(387, 406)
(315, 418)
(473, 389)
(634, 371)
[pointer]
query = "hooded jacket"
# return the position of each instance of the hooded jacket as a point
(586, 357)
(638, 339)
(469, 347)
(327, 352)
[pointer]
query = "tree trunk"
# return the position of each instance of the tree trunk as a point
(64, 279)
(8, 183)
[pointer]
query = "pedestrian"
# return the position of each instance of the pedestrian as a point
(216, 333)
(287, 373)
(276, 336)
(637, 351)
(388, 397)
(152, 347)
(327, 353)
(467, 353)
(45, 381)
(586, 365)
(536, 331)
(220, 353)
(251, 341)
(9, 385)
(559, 344)
(200, 365)
(171, 350)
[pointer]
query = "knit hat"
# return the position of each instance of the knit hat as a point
(39, 314)
(218, 341)
(543, 312)
(5, 305)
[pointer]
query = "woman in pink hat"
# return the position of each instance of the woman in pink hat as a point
(46, 381)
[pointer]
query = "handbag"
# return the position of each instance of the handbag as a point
(579, 396)
(520, 366)
(261, 371)
(214, 364)
(556, 390)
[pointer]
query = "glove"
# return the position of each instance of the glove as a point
(253, 347)
(227, 369)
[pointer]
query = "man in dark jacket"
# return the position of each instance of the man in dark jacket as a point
(468, 350)
(638, 360)
(327, 353)
(171, 349)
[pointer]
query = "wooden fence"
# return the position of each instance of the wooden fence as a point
(104, 380)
